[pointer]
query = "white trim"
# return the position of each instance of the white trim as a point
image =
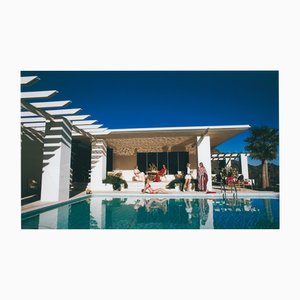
(188, 128)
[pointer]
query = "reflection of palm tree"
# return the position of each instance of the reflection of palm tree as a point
(268, 208)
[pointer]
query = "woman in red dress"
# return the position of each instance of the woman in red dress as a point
(202, 177)
(162, 172)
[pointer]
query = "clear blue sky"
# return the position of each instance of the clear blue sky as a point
(133, 99)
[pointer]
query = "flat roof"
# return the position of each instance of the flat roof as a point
(181, 129)
(218, 134)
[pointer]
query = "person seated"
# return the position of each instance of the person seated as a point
(161, 173)
(148, 188)
(138, 175)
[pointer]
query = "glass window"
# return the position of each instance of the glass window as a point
(152, 158)
(174, 161)
(183, 160)
(162, 160)
(142, 161)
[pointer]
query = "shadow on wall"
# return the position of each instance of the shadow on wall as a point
(31, 166)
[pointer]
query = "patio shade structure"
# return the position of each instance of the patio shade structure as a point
(228, 157)
(55, 128)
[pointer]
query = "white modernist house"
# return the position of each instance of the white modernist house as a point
(49, 133)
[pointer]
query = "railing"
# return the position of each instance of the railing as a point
(224, 192)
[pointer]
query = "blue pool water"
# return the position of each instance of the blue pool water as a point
(158, 213)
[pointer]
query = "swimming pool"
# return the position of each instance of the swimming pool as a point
(95, 212)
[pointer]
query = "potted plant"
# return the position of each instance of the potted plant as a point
(152, 168)
(116, 182)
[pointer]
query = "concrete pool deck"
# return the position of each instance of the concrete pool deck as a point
(242, 193)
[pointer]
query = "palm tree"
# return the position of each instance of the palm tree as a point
(262, 145)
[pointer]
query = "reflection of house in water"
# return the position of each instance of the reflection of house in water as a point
(206, 214)
(152, 213)
(118, 215)
(168, 213)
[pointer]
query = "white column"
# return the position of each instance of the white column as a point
(56, 161)
(48, 219)
(98, 165)
(244, 165)
(97, 211)
(55, 218)
(204, 155)
(209, 223)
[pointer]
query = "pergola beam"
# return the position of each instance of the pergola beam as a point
(42, 119)
(37, 135)
(88, 127)
(49, 117)
(85, 122)
(38, 94)
(83, 132)
(78, 117)
(33, 125)
(51, 104)
(36, 111)
(223, 156)
(27, 80)
(43, 125)
(59, 112)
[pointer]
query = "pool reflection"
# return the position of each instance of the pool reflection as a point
(159, 213)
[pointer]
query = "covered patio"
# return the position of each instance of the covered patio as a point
(172, 146)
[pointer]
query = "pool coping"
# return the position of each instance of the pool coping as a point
(51, 205)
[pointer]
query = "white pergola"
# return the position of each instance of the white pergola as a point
(229, 157)
(50, 123)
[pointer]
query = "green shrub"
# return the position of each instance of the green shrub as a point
(116, 182)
